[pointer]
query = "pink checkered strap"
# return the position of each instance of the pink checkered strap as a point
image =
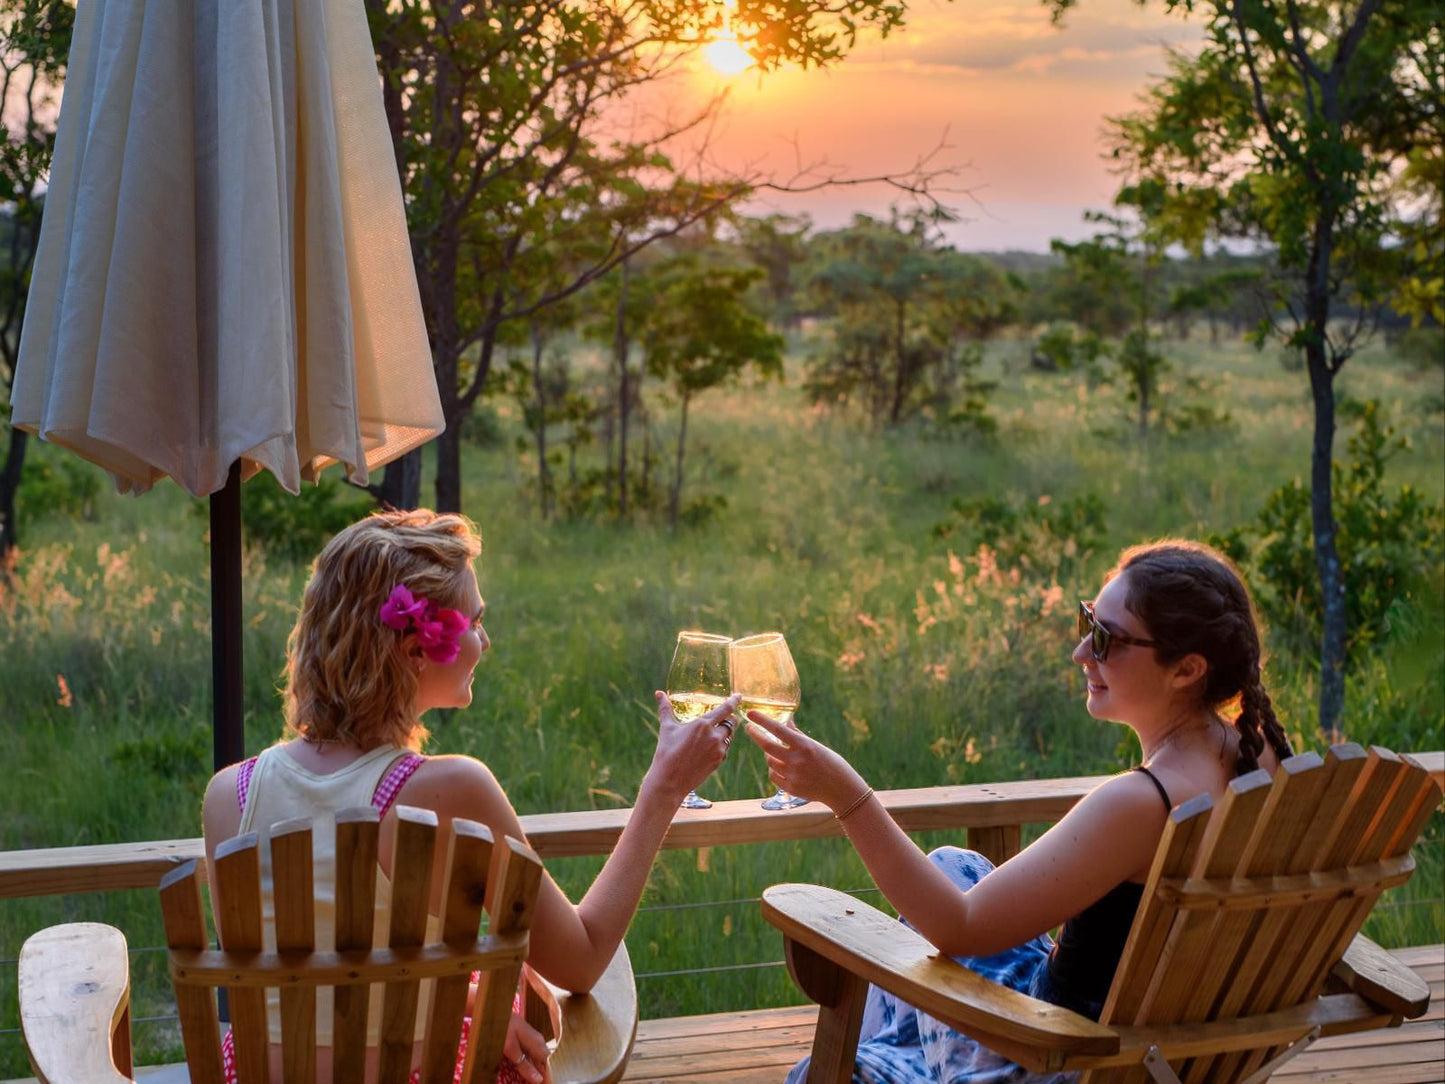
(393, 780)
(243, 781)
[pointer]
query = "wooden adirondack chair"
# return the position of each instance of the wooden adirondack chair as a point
(1244, 950)
(74, 986)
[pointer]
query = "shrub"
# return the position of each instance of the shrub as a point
(57, 482)
(296, 527)
(1423, 347)
(1014, 530)
(1388, 542)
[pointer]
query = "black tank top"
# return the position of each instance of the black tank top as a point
(1086, 954)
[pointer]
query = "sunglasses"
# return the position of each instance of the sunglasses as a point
(1100, 638)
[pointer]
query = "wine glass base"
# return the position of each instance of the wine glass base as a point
(784, 800)
(693, 801)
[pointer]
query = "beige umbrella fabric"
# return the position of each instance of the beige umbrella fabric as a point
(224, 272)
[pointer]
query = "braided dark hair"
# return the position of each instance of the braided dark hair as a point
(1192, 600)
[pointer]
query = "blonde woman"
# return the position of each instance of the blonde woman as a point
(391, 626)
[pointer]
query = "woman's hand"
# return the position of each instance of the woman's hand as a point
(803, 766)
(527, 1050)
(687, 753)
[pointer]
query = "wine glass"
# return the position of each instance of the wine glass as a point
(766, 679)
(698, 681)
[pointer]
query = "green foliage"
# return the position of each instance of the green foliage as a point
(698, 331)
(962, 398)
(482, 428)
(908, 315)
(156, 760)
(34, 47)
(1016, 529)
(296, 527)
(1195, 414)
(57, 482)
(1298, 128)
(1390, 543)
(1142, 364)
(778, 245)
(1122, 259)
(1061, 348)
(1423, 347)
(518, 203)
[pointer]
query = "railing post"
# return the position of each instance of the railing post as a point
(998, 844)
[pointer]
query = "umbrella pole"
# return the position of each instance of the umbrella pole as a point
(228, 737)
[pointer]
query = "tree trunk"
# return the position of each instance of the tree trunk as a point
(449, 471)
(1146, 284)
(1327, 554)
(1335, 622)
(676, 500)
(620, 350)
(449, 443)
(401, 483)
(900, 361)
(539, 388)
(9, 486)
(644, 486)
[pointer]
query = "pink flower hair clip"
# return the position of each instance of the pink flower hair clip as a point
(438, 629)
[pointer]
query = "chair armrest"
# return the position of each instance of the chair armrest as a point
(1374, 974)
(74, 1001)
(883, 951)
(596, 1029)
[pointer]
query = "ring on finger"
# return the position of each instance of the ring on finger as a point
(728, 722)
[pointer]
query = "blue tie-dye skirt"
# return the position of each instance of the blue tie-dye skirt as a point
(900, 1045)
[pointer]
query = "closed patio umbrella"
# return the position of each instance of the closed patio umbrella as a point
(224, 282)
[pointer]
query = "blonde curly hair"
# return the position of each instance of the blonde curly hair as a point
(347, 674)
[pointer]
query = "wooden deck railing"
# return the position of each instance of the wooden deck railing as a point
(992, 813)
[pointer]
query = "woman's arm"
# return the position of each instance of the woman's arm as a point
(220, 817)
(572, 945)
(1107, 838)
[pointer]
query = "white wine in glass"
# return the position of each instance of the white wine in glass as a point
(699, 680)
(766, 679)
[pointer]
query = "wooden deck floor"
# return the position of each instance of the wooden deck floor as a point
(759, 1047)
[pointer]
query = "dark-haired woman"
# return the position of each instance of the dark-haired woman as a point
(1170, 648)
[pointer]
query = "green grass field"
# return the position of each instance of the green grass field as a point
(925, 659)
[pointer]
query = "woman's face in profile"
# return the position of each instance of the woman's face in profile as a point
(449, 685)
(1129, 684)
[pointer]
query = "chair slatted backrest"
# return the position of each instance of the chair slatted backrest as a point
(1250, 904)
(503, 880)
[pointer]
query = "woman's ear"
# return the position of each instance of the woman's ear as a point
(415, 656)
(1188, 670)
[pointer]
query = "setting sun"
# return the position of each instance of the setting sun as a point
(727, 56)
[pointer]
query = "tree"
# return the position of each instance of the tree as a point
(34, 47)
(879, 280)
(699, 333)
(1297, 125)
(779, 245)
(507, 153)
(1124, 260)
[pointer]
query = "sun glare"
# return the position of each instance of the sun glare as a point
(727, 56)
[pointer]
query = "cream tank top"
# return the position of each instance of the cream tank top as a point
(281, 790)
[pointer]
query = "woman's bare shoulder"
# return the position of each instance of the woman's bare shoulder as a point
(221, 809)
(454, 768)
(457, 786)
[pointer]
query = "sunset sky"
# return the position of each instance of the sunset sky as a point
(1022, 104)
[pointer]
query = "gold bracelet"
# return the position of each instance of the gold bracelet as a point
(857, 804)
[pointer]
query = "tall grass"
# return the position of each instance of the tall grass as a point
(924, 659)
